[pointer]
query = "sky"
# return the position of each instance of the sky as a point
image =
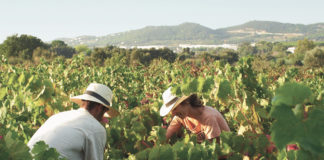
(52, 19)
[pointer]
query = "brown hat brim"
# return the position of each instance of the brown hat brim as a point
(183, 98)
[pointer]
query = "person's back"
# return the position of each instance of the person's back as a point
(212, 118)
(188, 111)
(211, 124)
(69, 132)
(78, 134)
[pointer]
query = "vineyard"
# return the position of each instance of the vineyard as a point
(272, 114)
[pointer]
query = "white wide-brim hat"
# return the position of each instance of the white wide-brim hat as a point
(99, 93)
(170, 102)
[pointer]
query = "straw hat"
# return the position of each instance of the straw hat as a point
(97, 93)
(170, 102)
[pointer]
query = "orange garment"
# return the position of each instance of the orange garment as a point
(211, 124)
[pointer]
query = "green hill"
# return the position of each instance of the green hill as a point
(192, 33)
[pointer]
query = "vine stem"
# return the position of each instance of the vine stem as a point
(145, 144)
(241, 109)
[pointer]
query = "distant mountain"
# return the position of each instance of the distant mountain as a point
(274, 31)
(192, 33)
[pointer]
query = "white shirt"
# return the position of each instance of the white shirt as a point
(74, 134)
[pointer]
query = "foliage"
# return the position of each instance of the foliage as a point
(264, 47)
(12, 147)
(284, 102)
(314, 58)
(83, 49)
(60, 48)
(297, 119)
(40, 53)
(112, 54)
(19, 49)
(303, 46)
(246, 49)
(20, 46)
(229, 56)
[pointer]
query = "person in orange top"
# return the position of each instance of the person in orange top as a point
(189, 112)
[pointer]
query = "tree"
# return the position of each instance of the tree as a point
(314, 58)
(264, 47)
(229, 56)
(186, 54)
(39, 53)
(168, 55)
(135, 56)
(99, 55)
(303, 46)
(21, 46)
(62, 49)
(279, 47)
(279, 50)
(208, 56)
(246, 48)
(83, 49)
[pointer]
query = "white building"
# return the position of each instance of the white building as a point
(291, 49)
(229, 46)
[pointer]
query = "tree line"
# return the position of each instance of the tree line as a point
(29, 49)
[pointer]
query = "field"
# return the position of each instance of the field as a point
(268, 111)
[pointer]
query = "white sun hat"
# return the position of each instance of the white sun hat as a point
(99, 93)
(169, 101)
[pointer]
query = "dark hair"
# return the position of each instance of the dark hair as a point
(194, 101)
(90, 105)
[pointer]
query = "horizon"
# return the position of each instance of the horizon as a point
(60, 19)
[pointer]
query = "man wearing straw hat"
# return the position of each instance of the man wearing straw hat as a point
(78, 134)
(188, 111)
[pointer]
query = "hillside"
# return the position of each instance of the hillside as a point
(192, 33)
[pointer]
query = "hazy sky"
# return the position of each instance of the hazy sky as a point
(50, 19)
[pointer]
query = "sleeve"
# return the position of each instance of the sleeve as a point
(174, 126)
(212, 128)
(95, 146)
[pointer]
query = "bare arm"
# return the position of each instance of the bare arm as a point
(174, 127)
